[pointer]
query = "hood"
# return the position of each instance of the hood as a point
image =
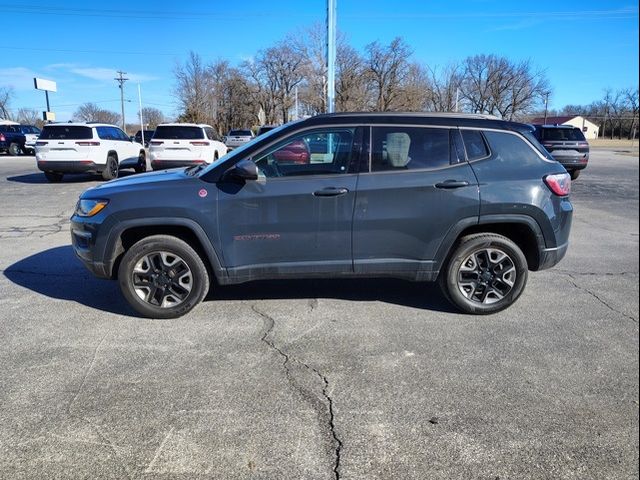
(143, 181)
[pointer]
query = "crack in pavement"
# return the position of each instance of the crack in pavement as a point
(594, 295)
(605, 274)
(41, 231)
(269, 323)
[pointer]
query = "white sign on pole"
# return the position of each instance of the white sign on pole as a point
(48, 85)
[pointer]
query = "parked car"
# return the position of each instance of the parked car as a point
(184, 144)
(64, 148)
(148, 135)
(265, 129)
(472, 202)
(566, 144)
(237, 138)
(31, 133)
(12, 140)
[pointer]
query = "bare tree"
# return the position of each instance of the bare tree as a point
(6, 95)
(90, 112)
(444, 87)
(631, 102)
(151, 117)
(497, 86)
(352, 92)
(387, 70)
(29, 116)
(193, 90)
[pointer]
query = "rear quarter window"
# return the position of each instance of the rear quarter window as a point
(510, 148)
(65, 132)
(177, 132)
(410, 148)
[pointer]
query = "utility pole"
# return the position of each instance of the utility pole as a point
(546, 104)
(331, 55)
(120, 79)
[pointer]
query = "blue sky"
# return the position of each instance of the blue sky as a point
(584, 47)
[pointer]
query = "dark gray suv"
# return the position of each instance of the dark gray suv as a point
(470, 201)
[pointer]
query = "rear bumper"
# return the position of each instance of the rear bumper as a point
(163, 164)
(69, 166)
(573, 162)
(551, 256)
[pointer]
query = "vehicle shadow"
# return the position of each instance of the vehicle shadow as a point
(422, 295)
(39, 178)
(57, 273)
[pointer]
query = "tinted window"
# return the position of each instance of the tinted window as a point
(64, 132)
(105, 133)
(120, 135)
(409, 148)
(178, 132)
(536, 143)
(212, 134)
(29, 129)
(322, 152)
(510, 148)
(474, 144)
(562, 135)
(240, 133)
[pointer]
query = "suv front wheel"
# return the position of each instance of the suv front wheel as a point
(163, 277)
(485, 274)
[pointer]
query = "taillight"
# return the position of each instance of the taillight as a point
(2, 138)
(155, 142)
(560, 183)
(200, 144)
(88, 144)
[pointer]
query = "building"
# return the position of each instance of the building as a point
(589, 129)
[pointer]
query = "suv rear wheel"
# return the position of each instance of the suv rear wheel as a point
(163, 277)
(485, 274)
(142, 163)
(574, 174)
(111, 169)
(14, 149)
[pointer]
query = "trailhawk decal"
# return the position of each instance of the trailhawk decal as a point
(257, 236)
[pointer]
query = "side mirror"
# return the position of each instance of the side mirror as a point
(243, 170)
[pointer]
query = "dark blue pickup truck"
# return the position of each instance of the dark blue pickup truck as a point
(12, 140)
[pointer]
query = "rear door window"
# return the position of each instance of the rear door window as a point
(474, 144)
(179, 132)
(66, 132)
(409, 148)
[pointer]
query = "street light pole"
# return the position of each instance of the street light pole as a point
(121, 79)
(331, 55)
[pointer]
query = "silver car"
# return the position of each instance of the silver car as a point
(237, 138)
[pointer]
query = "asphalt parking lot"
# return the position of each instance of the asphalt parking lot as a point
(355, 379)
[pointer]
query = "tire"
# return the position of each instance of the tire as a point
(142, 163)
(111, 169)
(486, 273)
(574, 174)
(161, 276)
(15, 149)
(53, 177)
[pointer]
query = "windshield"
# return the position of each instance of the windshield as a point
(562, 135)
(178, 132)
(243, 133)
(64, 132)
(240, 150)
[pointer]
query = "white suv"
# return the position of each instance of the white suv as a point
(87, 148)
(184, 144)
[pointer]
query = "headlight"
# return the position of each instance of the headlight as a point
(88, 208)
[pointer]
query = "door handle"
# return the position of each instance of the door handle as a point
(450, 184)
(330, 192)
